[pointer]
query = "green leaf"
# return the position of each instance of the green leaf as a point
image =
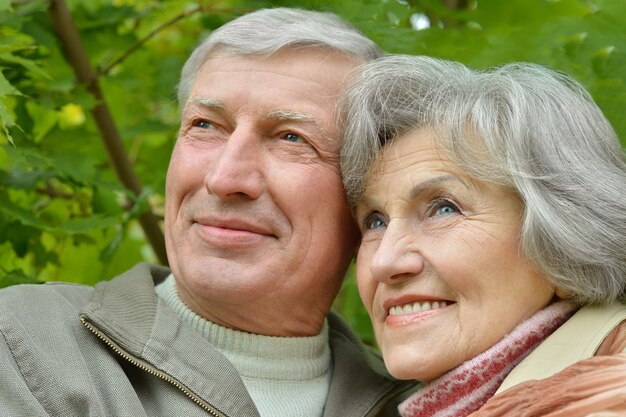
(25, 179)
(44, 119)
(600, 59)
(6, 121)
(26, 63)
(16, 276)
(5, 6)
(106, 201)
(87, 224)
(19, 236)
(6, 87)
(109, 251)
(69, 227)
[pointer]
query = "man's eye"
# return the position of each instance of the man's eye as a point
(374, 221)
(293, 137)
(203, 124)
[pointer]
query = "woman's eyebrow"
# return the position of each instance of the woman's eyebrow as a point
(422, 186)
(415, 191)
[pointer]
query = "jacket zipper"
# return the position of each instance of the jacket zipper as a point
(149, 368)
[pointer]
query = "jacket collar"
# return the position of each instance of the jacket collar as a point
(128, 316)
(128, 311)
(125, 308)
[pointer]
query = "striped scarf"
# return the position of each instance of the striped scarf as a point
(466, 388)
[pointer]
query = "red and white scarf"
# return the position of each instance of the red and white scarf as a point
(466, 388)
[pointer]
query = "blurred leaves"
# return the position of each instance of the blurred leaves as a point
(63, 213)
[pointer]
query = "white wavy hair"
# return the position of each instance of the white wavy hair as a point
(265, 31)
(520, 125)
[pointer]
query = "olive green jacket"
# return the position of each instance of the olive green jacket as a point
(119, 350)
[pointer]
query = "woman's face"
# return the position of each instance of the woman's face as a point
(439, 268)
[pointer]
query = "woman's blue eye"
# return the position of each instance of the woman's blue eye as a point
(445, 208)
(292, 137)
(374, 221)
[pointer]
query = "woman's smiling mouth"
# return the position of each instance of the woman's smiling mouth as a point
(416, 307)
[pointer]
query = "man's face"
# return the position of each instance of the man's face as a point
(257, 227)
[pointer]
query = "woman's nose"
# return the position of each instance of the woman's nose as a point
(396, 257)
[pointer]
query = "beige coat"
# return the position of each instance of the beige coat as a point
(580, 370)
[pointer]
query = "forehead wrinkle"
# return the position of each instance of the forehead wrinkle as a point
(364, 201)
(424, 185)
(276, 114)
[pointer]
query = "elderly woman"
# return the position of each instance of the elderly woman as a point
(492, 207)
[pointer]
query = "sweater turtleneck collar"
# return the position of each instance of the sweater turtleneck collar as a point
(254, 355)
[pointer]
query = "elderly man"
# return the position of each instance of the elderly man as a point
(258, 235)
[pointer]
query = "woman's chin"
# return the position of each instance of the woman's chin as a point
(403, 372)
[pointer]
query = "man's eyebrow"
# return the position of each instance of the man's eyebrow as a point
(212, 103)
(290, 116)
(277, 114)
(422, 186)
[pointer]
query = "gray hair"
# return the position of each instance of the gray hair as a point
(265, 31)
(520, 125)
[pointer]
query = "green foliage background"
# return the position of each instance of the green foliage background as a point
(64, 215)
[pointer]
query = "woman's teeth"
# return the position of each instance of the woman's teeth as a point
(416, 307)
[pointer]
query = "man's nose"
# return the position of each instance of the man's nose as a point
(397, 257)
(237, 169)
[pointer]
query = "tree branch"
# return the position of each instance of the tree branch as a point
(105, 69)
(456, 4)
(79, 60)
